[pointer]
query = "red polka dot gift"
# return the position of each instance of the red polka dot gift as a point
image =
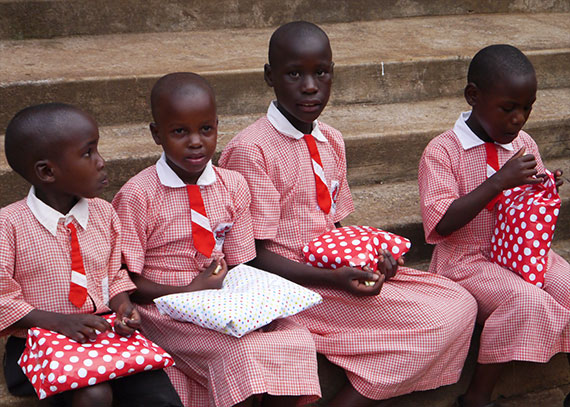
(354, 246)
(525, 222)
(55, 363)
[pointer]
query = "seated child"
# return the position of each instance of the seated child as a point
(520, 321)
(415, 333)
(165, 254)
(54, 147)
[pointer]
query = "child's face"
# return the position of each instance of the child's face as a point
(79, 168)
(301, 76)
(500, 112)
(187, 129)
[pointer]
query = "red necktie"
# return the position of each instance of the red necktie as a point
(323, 195)
(492, 168)
(202, 234)
(78, 285)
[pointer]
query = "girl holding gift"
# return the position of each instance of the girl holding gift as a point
(461, 174)
(409, 330)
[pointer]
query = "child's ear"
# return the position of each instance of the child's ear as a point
(332, 69)
(154, 131)
(267, 75)
(471, 94)
(43, 170)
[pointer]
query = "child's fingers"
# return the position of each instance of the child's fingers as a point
(519, 153)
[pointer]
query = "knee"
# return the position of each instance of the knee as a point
(100, 395)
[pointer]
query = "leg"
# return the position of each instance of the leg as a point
(482, 383)
(99, 395)
(16, 381)
(247, 402)
(149, 389)
(348, 396)
(278, 401)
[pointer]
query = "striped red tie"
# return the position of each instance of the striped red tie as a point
(492, 168)
(323, 195)
(202, 235)
(78, 285)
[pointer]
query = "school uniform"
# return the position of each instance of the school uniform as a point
(35, 267)
(153, 206)
(415, 334)
(521, 321)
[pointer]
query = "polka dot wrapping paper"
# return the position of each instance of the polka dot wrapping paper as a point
(353, 246)
(524, 225)
(249, 299)
(55, 363)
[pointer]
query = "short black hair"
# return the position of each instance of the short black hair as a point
(496, 62)
(186, 83)
(294, 29)
(33, 134)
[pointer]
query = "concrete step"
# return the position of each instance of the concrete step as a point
(395, 207)
(383, 142)
(388, 61)
(52, 18)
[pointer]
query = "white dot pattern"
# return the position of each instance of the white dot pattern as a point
(533, 208)
(361, 244)
(249, 299)
(54, 363)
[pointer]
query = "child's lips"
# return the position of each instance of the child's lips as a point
(309, 106)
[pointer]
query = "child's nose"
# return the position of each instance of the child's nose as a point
(518, 117)
(194, 140)
(100, 162)
(309, 84)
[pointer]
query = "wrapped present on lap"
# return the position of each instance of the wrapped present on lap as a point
(524, 226)
(55, 363)
(249, 299)
(354, 246)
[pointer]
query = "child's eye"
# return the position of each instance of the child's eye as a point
(207, 129)
(507, 109)
(294, 74)
(87, 153)
(321, 73)
(178, 131)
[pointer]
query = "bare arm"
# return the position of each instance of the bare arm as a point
(147, 290)
(344, 278)
(519, 170)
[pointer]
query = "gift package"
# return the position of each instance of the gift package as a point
(55, 363)
(353, 246)
(524, 226)
(248, 300)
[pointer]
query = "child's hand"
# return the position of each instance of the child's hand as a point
(80, 327)
(358, 282)
(519, 170)
(387, 265)
(558, 178)
(128, 319)
(211, 278)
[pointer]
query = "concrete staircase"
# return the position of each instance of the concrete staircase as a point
(399, 75)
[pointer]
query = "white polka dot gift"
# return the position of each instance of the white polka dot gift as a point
(249, 299)
(525, 222)
(354, 246)
(55, 363)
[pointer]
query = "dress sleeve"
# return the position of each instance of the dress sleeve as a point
(438, 188)
(239, 246)
(13, 307)
(119, 280)
(131, 206)
(265, 208)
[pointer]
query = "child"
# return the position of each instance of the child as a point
(520, 321)
(54, 147)
(415, 334)
(164, 256)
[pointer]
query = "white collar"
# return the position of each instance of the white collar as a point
(466, 136)
(284, 126)
(169, 178)
(49, 217)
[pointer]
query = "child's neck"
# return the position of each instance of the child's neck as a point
(477, 129)
(305, 128)
(56, 200)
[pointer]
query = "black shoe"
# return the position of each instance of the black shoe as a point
(567, 400)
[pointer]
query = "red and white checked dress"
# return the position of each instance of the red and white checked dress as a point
(521, 321)
(35, 265)
(414, 335)
(221, 370)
